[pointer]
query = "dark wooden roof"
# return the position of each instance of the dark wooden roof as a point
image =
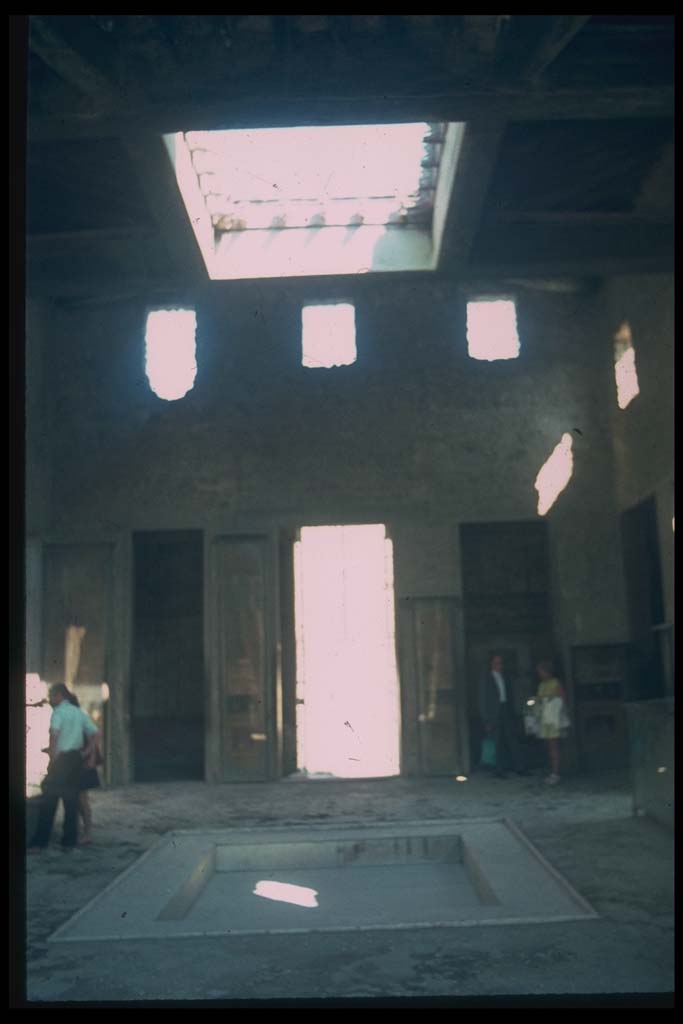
(567, 167)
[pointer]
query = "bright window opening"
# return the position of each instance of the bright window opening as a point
(625, 366)
(492, 329)
(170, 352)
(348, 718)
(554, 474)
(328, 335)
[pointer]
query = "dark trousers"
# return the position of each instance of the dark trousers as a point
(60, 783)
(507, 748)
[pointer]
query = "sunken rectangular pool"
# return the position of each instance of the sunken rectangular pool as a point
(424, 874)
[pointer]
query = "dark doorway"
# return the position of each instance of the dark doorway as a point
(642, 569)
(167, 669)
(507, 602)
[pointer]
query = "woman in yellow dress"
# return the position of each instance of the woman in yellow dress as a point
(552, 716)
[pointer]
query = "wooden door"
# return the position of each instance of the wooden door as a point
(167, 663)
(431, 726)
(247, 727)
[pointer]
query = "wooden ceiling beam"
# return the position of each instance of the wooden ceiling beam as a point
(657, 194)
(541, 38)
(573, 218)
(51, 242)
(507, 104)
(481, 32)
(588, 248)
(72, 47)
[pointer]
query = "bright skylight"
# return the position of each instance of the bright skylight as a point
(170, 352)
(314, 177)
(554, 474)
(625, 366)
(310, 201)
(492, 329)
(328, 335)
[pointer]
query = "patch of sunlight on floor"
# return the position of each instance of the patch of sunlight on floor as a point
(284, 892)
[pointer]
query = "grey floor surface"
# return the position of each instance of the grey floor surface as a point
(623, 865)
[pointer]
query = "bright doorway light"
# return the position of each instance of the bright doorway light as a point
(38, 714)
(170, 352)
(554, 474)
(328, 335)
(347, 679)
(492, 329)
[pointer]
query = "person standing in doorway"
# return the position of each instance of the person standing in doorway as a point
(553, 720)
(497, 713)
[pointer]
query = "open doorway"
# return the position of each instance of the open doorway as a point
(347, 689)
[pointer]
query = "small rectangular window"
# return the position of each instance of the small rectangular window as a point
(328, 335)
(492, 328)
(170, 352)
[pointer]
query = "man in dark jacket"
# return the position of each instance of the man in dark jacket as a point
(497, 712)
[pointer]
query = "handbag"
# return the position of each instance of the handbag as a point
(488, 752)
(554, 713)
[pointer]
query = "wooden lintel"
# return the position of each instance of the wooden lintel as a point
(90, 235)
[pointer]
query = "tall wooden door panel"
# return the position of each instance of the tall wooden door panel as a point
(433, 669)
(242, 660)
(167, 661)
